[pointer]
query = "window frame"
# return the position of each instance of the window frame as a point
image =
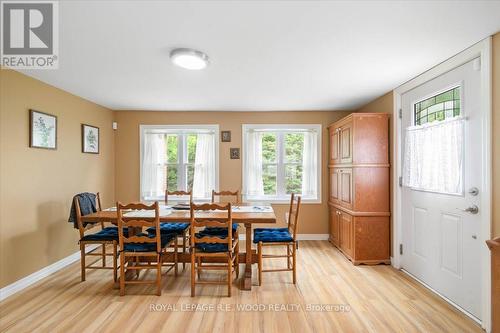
(182, 131)
(280, 129)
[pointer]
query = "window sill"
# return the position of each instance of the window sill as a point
(282, 201)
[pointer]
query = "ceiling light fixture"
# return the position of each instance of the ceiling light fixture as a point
(189, 58)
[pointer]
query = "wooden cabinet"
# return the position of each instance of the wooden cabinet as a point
(345, 187)
(359, 187)
(334, 145)
(334, 185)
(346, 233)
(346, 137)
(334, 227)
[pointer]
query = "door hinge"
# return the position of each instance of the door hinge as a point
(401, 249)
(400, 113)
(400, 181)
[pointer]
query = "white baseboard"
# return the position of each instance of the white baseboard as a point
(301, 237)
(38, 275)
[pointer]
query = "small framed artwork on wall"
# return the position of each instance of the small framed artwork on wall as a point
(234, 153)
(43, 130)
(225, 136)
(90, 139)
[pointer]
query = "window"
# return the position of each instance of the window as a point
(437, 108)
(178, 158)
(434, 146)
(281, 159)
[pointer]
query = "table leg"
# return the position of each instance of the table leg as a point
(247, 278)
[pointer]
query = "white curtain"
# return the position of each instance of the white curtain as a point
(153, 166)
(204, 169)
(310, 164)
(433, 159)
(253, 183)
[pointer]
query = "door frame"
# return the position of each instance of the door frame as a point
(483, 50)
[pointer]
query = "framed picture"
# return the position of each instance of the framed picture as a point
(234, 153)
(90, 139)
(43, 130)
(225, 136)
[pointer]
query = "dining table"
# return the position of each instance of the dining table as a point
(246, 214)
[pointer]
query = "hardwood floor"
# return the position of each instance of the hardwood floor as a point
(375, 299)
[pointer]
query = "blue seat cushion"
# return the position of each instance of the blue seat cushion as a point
(219, 231)
(211, 247)
(169, 228)
(106, 234)
(148, 247)
(271, 235)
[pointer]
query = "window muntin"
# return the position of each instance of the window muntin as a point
(442, 106)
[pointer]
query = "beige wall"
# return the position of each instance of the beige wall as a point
(36, 185)
(314, 217)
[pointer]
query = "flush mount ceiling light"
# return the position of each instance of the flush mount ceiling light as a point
(189, 58)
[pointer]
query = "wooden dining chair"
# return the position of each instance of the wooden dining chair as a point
(225, 197)
(280, 237)
(233, 196)
(104, 237)
(136, 246)
(212, 246)
(181, 229)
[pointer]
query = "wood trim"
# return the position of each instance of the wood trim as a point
(354, 165)
(357, 213)
(494, 246)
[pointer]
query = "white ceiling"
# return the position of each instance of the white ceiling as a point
(265, 55)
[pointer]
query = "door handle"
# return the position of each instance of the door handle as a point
(472, 209)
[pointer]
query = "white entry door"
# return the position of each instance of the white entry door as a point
(441, 140)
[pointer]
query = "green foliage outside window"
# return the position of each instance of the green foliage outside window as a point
(269, 170)
(175, 161)
(437, 108)
(291, 162)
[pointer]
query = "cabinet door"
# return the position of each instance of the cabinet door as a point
(345, 187)
(334, 185)
(334, 145)
(346, 137)
(346, 233)
(334, 226)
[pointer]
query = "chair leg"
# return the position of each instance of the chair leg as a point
(229, 274)
(114, 261)
(175, 258)
(237, 261)
(122, 275)
(193, 276)
(184, 241)
(259, 250)
(294, 263)
(137, 271)
(288, 256)
(198, 267)
(159, 262)
(103, 255)
(82, 261)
